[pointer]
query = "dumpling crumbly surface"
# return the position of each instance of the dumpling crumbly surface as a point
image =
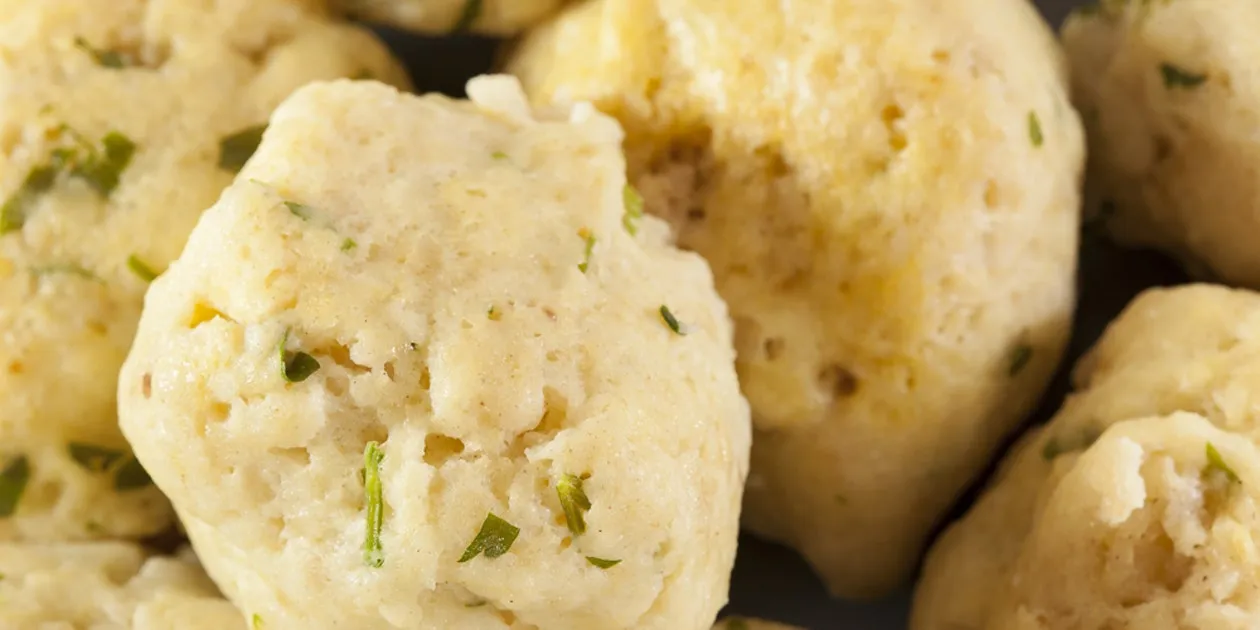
(496, 17)
(107, 586)
(887, 194)
(1171, 95)
(120, 123)
(439, 320)
(1155, 524)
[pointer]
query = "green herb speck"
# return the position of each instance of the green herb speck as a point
(131, 475)
(494, 539)
(634, 209)
(236, 149)
(257, 622)
(141, 268)
(106, 58)
(1216, 462)
(602, 563)
(1034, 130)
(96, 459)
(102, 170)
(373, 554)
(499, 155)
(295, 367)
(15, 210)
(1175, 77)
(348, 244)
(574, 502)
(589, 238)
(13, 480)
(671, 321)
(299, 210)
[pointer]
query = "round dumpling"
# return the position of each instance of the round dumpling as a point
(1151, 526)
(107, 586)
(121, 122)
(497, 17)
(422, 368)
(1170, 95)
(887, 194)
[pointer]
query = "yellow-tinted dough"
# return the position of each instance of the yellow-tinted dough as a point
(887, 194)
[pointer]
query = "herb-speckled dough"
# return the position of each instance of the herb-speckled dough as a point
(1170, 94)
(887, 194)
(107, 586)
(1135, 531)
(456, 328)
(497, 17)
(68, 300)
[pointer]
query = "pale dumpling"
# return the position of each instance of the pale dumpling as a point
(888, 195)
(422, 367)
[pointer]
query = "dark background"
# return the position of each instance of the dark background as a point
(771, 581)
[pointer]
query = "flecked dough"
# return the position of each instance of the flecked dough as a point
(449, 303)
(112, 117)
(888, 195)
(1152, 525)
(107, 586)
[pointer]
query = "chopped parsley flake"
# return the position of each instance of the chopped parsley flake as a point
(373, 555)
(73, 270)
(96, 459)
(494, 539)
(574, 502)
(295, 367)
(348, 244)
(472, 10)
(499, 155)
(257, 622)
(131, 476)
(13, 480)
(299, 210)
(106, 58)
(102, 170)
(1034, 130)
(634, 209)
(1216, 462)
(236, 149)
(141, 268)
(602, 563)
(671, 321)
(1020, 358)
(15, 210)
(590, 248)
(1175, 77)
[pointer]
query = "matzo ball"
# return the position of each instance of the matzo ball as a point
(120, 122)
(1145, 528)
(419, 368)
(107, 586)
(497, 17)
(887, 194)
(1170, 92)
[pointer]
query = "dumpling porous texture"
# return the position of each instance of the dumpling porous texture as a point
(113, 116)
(1170, 94)
(1154, 525)
(887, 194)
(493, 17)
(107, 586)
(445, 305)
